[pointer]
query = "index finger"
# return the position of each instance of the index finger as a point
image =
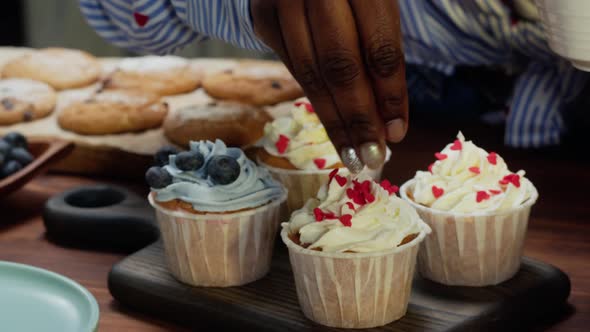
(336, 44)
(378, 24)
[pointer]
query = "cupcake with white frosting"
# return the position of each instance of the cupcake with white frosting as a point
(218, 214)
(353, 251)
(478, 210)
(298, 152)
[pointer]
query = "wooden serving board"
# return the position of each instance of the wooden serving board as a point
(142, 281)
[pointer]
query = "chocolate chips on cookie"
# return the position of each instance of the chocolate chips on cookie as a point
(24, 100)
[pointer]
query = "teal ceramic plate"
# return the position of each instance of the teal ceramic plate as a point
(33, 299)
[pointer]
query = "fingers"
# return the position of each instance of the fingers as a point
(299, 46)
(267, 27)
(341, 66)
(283, 27)
(264, 19)
(378, 25)
(300, 50)
(319, 42)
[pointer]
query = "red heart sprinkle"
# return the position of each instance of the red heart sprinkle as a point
(474, 170)
(391, 189)
(350, 205)
(481, 196)
(308, 106)
(516, 180)
(346, 220)
(457, 145)
(361, 192)
(493, 158)
(330, 215)
(358, 199)
(350, 193)
(332, 174)
(440, 156)
(282, 143)
(320, 162)
(394, 189)
(495, 192)
(366, 185)
(141, 19)
(511, 178)
(341, 180)
(437, 192)
(430, 167)
(318, 214)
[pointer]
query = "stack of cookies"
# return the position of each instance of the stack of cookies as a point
(134, 95)
(236, 116)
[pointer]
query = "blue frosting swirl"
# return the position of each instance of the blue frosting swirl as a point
(254, 186)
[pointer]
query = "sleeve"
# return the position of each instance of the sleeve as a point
(443, 34)
(540, 97)
(163, 26)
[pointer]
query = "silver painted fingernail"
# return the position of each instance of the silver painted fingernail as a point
(351, 160)
(372, 155)
(395, 130)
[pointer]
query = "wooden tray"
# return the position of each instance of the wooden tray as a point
(143, 282)
(104, 161)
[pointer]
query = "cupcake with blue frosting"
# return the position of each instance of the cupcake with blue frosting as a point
(218, 214)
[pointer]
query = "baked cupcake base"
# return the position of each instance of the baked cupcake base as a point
(353, 290)
(478, 249)
(219, 250)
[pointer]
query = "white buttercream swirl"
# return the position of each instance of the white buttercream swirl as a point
(470, 181)
(374, 226)
(308, 139)
(254, 186)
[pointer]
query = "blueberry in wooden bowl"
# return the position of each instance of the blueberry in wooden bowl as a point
(21, 160)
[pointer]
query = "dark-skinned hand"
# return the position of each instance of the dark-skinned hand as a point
(347, 56)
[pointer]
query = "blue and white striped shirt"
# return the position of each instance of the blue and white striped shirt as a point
(440, 34)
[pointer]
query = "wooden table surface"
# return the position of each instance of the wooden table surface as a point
(558, 232)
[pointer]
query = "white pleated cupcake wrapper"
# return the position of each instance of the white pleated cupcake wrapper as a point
(353, 290)
(471, 249)
(304, 184)
(219, 250)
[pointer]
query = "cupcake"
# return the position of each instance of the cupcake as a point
(298, 152)
(478, 211)
(353, 252)
(218, 214)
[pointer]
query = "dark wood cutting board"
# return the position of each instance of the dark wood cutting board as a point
(142, 281)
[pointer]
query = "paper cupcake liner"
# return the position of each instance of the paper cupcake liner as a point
(477, 249)
(304, 184)
(219, 250)
(353, 290)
